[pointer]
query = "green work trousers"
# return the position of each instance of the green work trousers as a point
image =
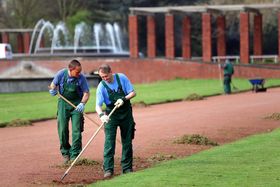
(126, 124)
(65, 113)
(227, 86)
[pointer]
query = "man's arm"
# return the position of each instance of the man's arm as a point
(85, 89)
(52, 89)
(81, 106)
(121, 101)
(52, 86)
(99, 100)
(85, 97)
(130, 95)
(103, 117)
(98, 109)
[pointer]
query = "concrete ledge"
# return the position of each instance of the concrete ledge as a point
(17, 85)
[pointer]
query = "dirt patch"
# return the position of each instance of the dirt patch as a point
(19, 123)
(274, 116)
(194, 97)
(195, 139)
(30, 155)
(140, 104)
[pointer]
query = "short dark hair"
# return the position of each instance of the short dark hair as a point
(74, 63)
(104, 68)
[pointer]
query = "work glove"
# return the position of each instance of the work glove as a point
(104, 118)
(53, 92)
(119, 103)
(80, 107)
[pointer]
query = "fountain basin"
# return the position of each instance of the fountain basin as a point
(81, 51)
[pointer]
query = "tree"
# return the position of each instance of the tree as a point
(68, 8)
(18, 14)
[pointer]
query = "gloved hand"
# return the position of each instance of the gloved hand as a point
(53, 92)
(104, 118)
(119, 103)
(80, 107)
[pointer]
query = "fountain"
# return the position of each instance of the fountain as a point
(98, 40)
(56, 42)
(51, 40)
(50, 28)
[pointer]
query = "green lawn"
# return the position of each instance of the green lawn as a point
(253, 161)
(40, 105)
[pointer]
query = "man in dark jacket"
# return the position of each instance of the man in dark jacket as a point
(228, 72)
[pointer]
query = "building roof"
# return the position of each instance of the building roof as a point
(16, 30)
(202, 8)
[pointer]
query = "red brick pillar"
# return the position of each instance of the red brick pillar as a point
(244, 38)
(278, 36)
(151, 37)
(5, 37)
(133, 36)
(169, 36)
(26, 42)
(19, 43)
(186, 43)
(258, 34)
(221, 36)
(206, 38)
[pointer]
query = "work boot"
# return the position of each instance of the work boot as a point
(108, 174)
(66, 159)
(127, 171)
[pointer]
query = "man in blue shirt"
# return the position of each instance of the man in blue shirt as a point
(72, 85)
(116, 90)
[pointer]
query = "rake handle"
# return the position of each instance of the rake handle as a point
(59, 95)
(93, 136)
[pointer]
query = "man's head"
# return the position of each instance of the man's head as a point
(227, 61)
(75, 68)
(105, 73)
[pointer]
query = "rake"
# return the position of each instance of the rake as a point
(93, 136)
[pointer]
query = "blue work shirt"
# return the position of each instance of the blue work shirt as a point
(102, 94)
(82, 83)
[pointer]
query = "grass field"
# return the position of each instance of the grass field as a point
(40, 105)
(253, 161)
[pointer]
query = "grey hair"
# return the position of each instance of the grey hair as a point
(104, 68)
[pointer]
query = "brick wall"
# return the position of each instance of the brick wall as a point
(150, 70)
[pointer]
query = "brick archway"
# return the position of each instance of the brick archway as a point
(206, 13)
